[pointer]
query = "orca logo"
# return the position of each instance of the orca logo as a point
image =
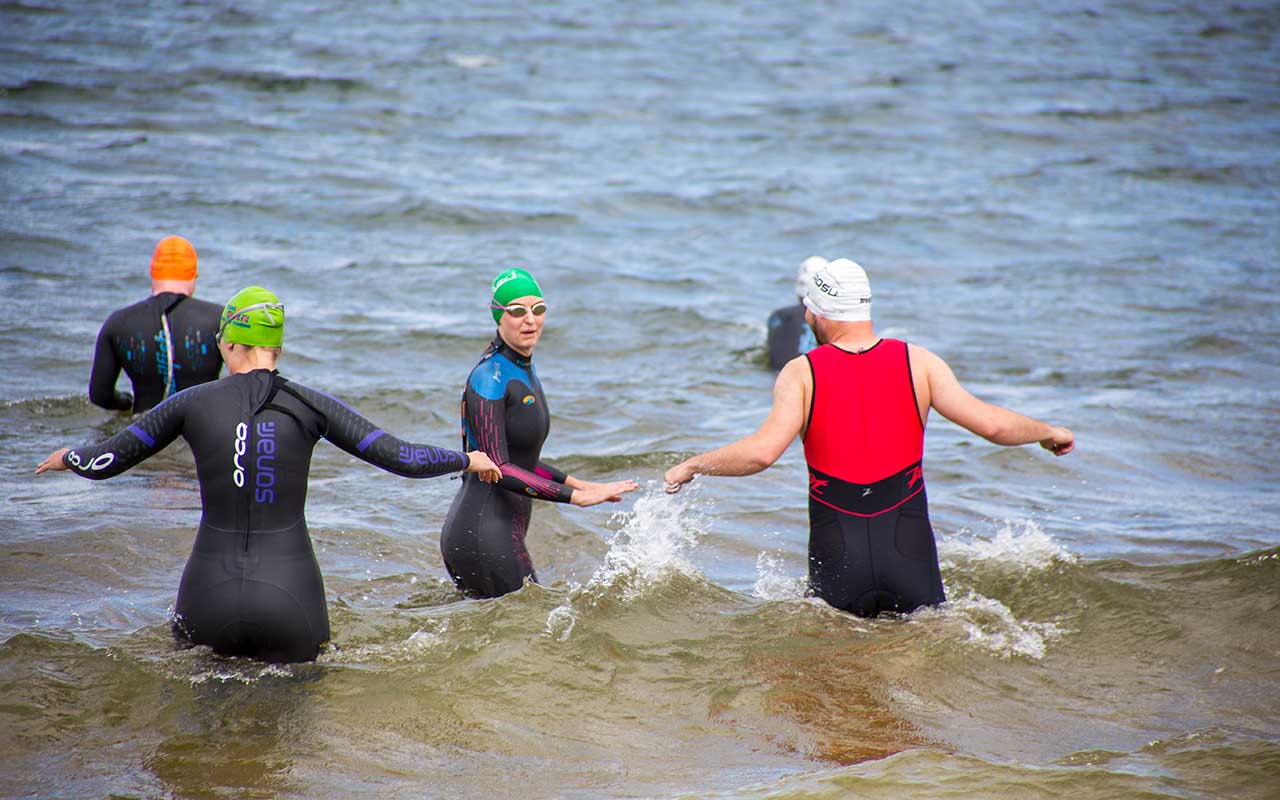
(242, 436)
(528, 400)
(101, 462)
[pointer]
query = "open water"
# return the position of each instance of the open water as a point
(1075, 204)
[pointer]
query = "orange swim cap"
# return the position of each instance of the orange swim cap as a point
(173, 260)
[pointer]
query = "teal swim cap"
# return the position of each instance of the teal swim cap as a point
(254, 316)
(510, 284)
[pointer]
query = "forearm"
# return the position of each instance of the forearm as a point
(349, 431)
(743, 457)
(1009, 428)
(531, 484)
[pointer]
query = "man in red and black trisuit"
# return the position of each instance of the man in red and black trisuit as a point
(860, 404)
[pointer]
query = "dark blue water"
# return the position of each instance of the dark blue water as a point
(1075, 206)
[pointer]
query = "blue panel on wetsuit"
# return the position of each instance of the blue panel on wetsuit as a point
(489, 380)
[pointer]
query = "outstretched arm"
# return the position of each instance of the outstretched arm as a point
(351, 432)
(153, 432)
(760, 450)
(991, 422)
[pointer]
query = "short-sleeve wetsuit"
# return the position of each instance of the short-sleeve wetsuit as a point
(252, 586)
(789, 335)
(504, 414)
(135, 339)
(871, 547)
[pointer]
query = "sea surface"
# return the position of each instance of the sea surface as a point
(1077, 205)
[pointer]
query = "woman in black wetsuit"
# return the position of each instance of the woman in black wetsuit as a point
(252, 586)
(505, 415)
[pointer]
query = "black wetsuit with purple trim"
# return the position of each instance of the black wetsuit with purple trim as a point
(504, 414)
(164, 344)
(252, 586)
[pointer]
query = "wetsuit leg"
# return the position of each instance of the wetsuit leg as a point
(869, 565)
(265, 601)
(483, 541)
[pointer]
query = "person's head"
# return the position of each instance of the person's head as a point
(804, 275)
(515, 300)
(251, 329)
(837, 299)
(173, 266)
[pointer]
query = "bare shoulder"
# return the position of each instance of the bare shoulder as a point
(796, 371)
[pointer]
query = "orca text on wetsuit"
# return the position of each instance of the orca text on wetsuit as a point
(164, 344)
(252, 585)
(504, 413)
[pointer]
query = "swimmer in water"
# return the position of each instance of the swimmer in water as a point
(164, 343)
(789, 335)
(504, 414)
(859, 403)
(252, 586)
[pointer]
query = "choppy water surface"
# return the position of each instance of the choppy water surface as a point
(1075, 206)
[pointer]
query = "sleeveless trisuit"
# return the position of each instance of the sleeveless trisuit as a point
(871, 547)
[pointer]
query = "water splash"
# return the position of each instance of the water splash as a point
(1030, 548)
(656, 536)
(246, 674)
(991, 625)
(772, 580)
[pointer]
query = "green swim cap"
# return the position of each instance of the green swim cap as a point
(510, 284)
(254, 316)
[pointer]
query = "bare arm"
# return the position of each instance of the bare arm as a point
(760, 450)
(991, 422)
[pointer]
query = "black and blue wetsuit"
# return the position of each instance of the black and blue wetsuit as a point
(789, 335)
(252, 586)
(164, 344)
(504, 414)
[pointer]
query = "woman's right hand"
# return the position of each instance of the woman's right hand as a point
(590, 494)
(483, 466)
(54, 462)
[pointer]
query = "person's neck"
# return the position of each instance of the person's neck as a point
(247, 359)
(176, 287)
(517, 350)
(853, 336)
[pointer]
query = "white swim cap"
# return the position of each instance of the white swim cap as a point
(839, 292)
(805, 274)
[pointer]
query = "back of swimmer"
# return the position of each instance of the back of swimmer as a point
(252, 586)
(165, 343)
(789, 335)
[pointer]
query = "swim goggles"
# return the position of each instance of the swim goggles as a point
(241, 312)
(516, 310)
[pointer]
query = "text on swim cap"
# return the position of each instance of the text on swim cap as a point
(830, 290)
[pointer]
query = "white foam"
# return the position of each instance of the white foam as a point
(246, 674)
(407, 650)
(1031, 548)
(772, 581)
(991, 625)
(656, 534)
(471, 60)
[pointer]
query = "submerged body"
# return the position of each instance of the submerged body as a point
(504, 414)
(164, 344)
(252, 586)
(860, 404)
(871, 547)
